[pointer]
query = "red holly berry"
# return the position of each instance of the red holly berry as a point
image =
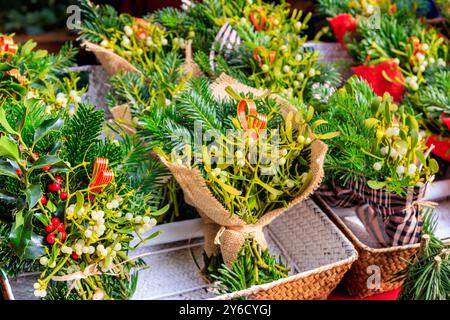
(74, 256)
(51, 238)
(61, 227)
(19, 171)
(55, 186)
(50, 228)
(63, 235)
(56, 222)
(45, 169)
(63, 195)
(58, 179)
(35, 157)
(44, 200)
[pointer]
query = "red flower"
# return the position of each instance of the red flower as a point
(374, 76)
(441, 146)
(341, 24)
(445, 120)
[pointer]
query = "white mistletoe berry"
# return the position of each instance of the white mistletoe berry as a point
(412, 169)
(377, 166)
(400, 170)
(128, 31)
(43, 261)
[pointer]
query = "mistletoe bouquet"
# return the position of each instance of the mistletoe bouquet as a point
(55, 212)
(236, 187)
(261, 46)
(402, 55)
(123, 42)
(379, 157)
(25, 72)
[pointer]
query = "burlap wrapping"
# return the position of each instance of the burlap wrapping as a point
(223, 230)
(112, 62)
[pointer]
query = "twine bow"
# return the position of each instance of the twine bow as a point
(100, 175)
(7, 45)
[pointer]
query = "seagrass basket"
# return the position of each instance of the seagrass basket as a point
(359, 281)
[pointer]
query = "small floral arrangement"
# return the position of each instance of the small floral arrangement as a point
(90, 238)
(252, 159)
(52, 210)
(261, 45)
(247, 184)
(378, 142)
(139, 41)
(26, 71)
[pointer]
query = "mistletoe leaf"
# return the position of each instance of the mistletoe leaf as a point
(376, 185)
(161, 211)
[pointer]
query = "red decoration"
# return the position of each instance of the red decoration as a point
(100, 175)
(258, 20)
(15, 73)
(250, 119)
(7, 45)
(375, 76)
(341, 25)
(441, 146)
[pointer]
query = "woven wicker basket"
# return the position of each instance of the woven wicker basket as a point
(315, 249)
(390, 260)
(317, 252)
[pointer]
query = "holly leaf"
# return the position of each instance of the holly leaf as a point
(7, 169)
(7, 197)
(47, 161)
(4, 122)
(8, 149)
(376, 185)
(24, 241)
(47, 127)
(33, 194)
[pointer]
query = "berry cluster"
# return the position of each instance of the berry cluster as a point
(55, 228)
